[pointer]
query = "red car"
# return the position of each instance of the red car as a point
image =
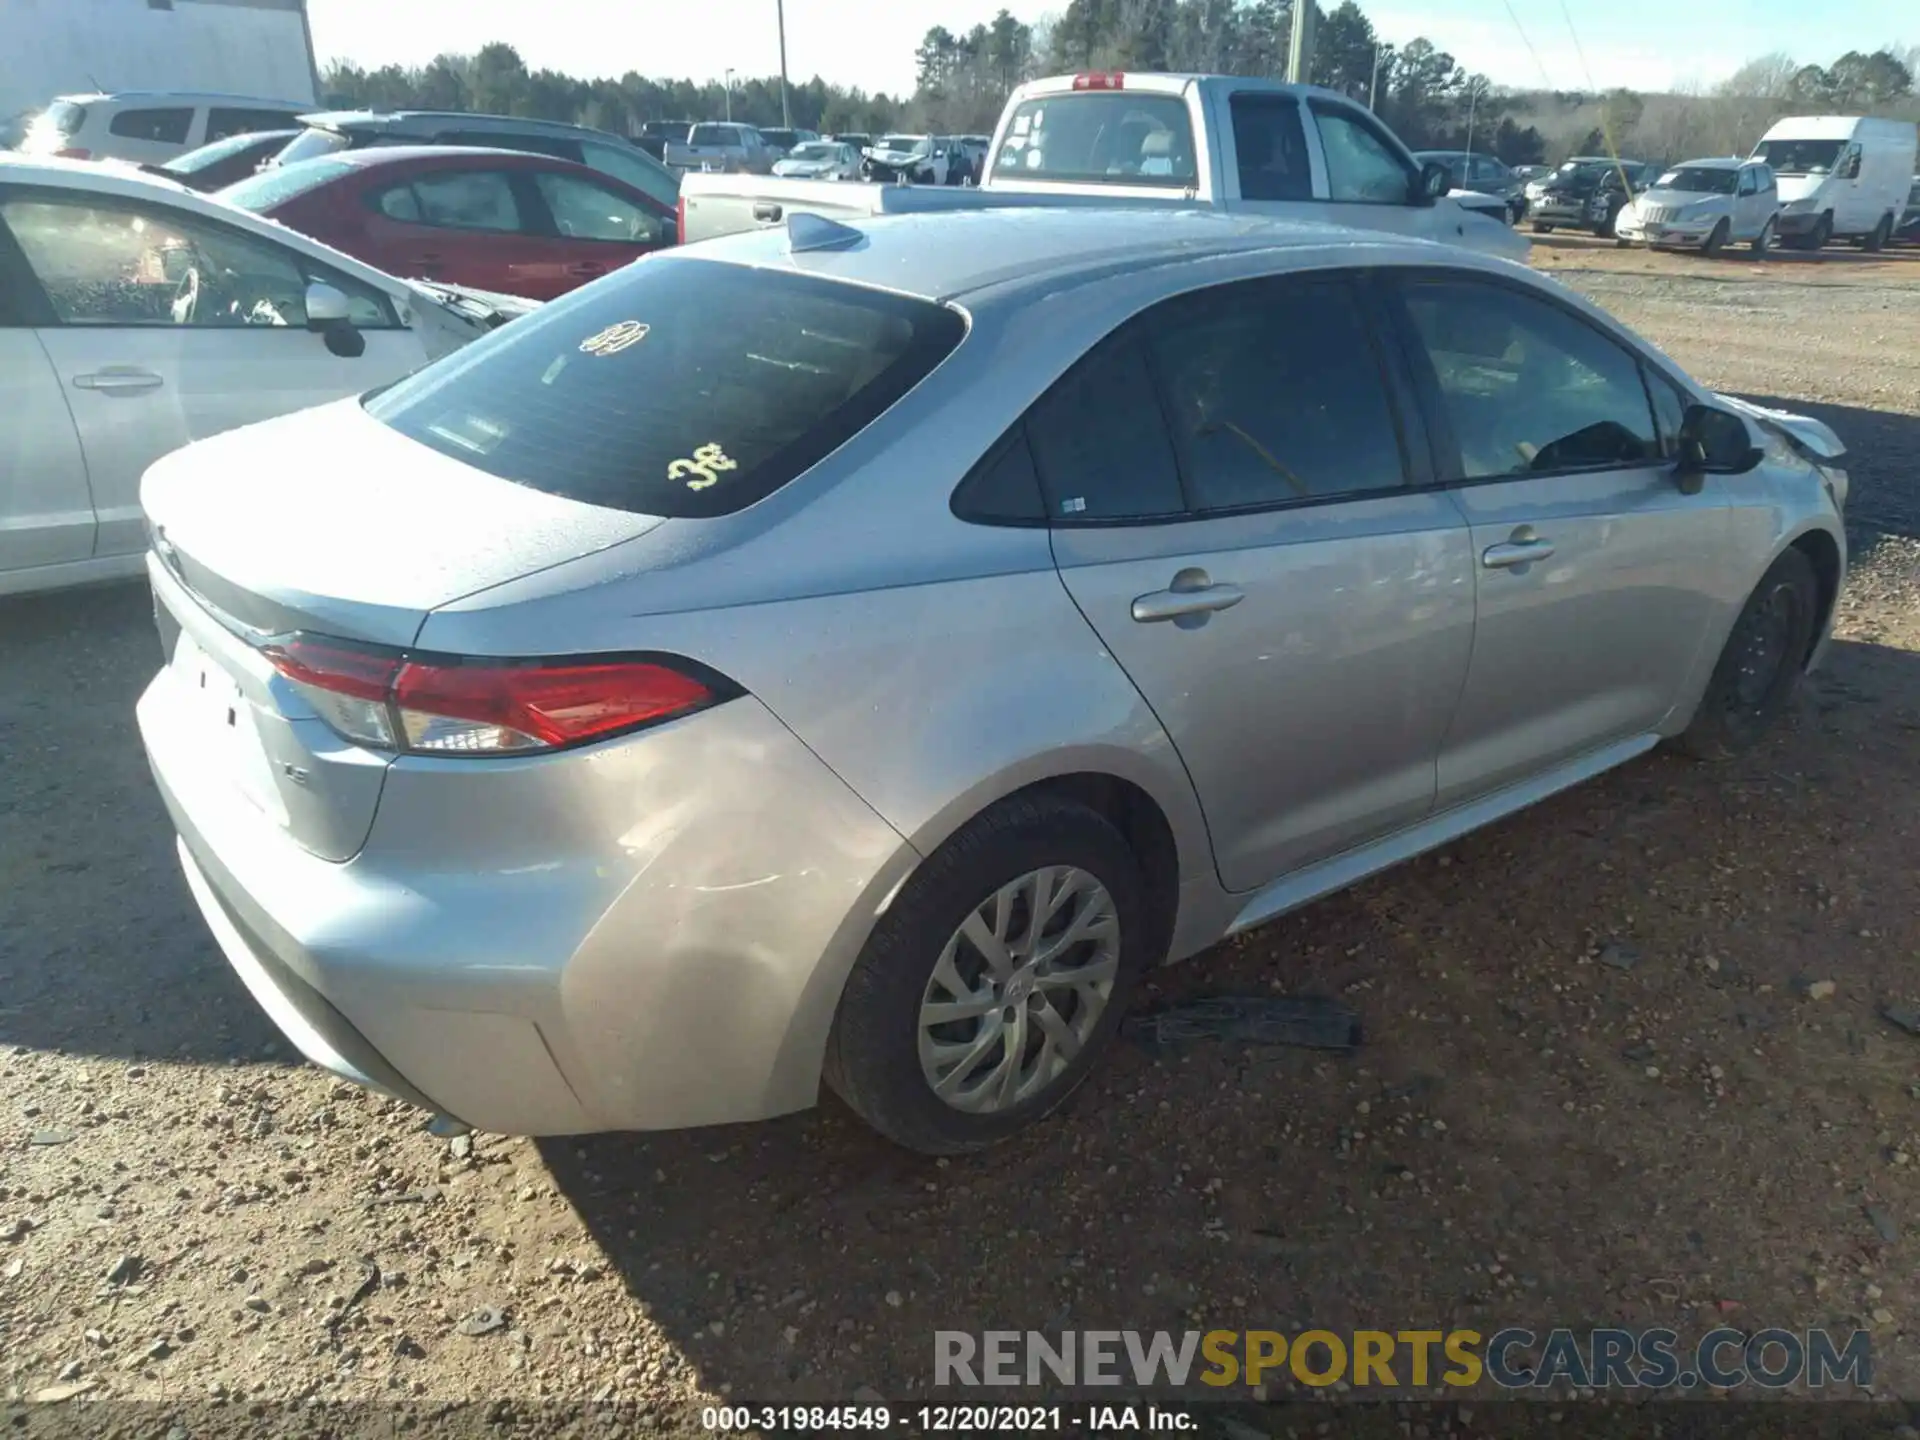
(503, 220)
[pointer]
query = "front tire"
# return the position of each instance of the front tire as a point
(1760, 667)
(1717, 241)
(996, 980)
(1877, 241)
(1540, 229)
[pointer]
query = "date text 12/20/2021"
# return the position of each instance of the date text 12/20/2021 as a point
(945, 1419)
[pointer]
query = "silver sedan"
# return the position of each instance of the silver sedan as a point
(860, 655)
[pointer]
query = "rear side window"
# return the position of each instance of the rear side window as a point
(468, 200)
(163, 127)
(687, 388)
(1270, 146)
(1100, 442)
(66, 117)
(222, 122)
(1100, 137)
(714, 135)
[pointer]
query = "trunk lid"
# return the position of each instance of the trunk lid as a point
(327, 522)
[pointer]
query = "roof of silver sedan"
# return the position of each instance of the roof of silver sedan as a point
(945, 254)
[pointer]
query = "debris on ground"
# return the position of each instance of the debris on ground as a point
(1312, 1022)
(1882, 1223)
(484, 1321)
(1816, 989)
(1905, 1016)
(1619, 956)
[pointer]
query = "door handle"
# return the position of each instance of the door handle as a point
(1176, 603)
(767, 213)
(586, 267)
(118, 381)
(1515, 552)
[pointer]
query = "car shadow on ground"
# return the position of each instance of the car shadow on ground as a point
(102, 951)
(1586, 1021)
(1883, 463)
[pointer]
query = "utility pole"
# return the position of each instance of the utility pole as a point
(729, 97)
(1473, 99)
(1300, 53)
(786, 113)
(1373, 85)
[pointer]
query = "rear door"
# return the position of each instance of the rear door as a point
(164, 327)
(1598, 580)
(46, 509)
(1228, 484)
(465, 225)
(595, 229)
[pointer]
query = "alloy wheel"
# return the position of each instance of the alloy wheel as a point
(1018, 990)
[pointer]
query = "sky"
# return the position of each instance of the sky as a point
(1645, 44)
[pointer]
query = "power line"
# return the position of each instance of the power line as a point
(1538, 62)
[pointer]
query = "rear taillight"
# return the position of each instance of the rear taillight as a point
(73, 152)
(680, 220)
(1101, 80)
(449, 705)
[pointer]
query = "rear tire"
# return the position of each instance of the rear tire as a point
(1540, 229)
(885, 1048)
(1762, 663)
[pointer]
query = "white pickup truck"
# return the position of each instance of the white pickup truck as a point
(1255, 147)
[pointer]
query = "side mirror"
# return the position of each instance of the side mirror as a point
(1435, 181)
(330, 315)
(1713, 442)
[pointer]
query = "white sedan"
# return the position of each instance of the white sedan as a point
(136, 316)
(820, 160)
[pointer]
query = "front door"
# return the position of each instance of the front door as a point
(1371, 182)
(1228, 478)
(163, 328)
(596, 230)
(1595, 573)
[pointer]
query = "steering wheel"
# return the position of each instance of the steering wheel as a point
(186, 298)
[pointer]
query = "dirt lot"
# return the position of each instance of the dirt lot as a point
(1532, 1134)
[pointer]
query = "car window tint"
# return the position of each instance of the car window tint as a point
(399, 203)
(164, 127)
(223, 121)
(1527, 387)
(682, 388)
(102, 264)
(1100, 137)
(584, 211)
(1100, 442)
(1274, 393)
(468, 200)
(1270, 148)
(1003, 488)
(1361, 165)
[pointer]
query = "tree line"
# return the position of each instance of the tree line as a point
(963, 78)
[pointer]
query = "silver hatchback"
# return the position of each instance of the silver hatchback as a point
(861, 655)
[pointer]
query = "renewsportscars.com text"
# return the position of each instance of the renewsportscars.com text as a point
(1513, 1358)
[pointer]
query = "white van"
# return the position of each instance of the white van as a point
(1841, 177)
(150, 127)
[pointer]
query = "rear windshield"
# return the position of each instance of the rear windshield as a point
(713, 135)
(311, 142)
(194, 161)
(681, 387)
(1701, 180)
(1100, 137)
(66, 117)
(262, 191)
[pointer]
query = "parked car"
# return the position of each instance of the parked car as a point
(734, 149)
(502, 220)
(135, 316)
(819, 160)
(1706, 205)
(784, 140)
(1587, 192)
(224, 162)
(913, 160)
(338, 131)
(855, 138)
(973, 151)
(1250, 147)
(1841, 177)
(150, 127)
(1483, 175)
(591, 651)
(1909, 227)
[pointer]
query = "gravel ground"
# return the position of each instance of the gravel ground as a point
(1624, 1064)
